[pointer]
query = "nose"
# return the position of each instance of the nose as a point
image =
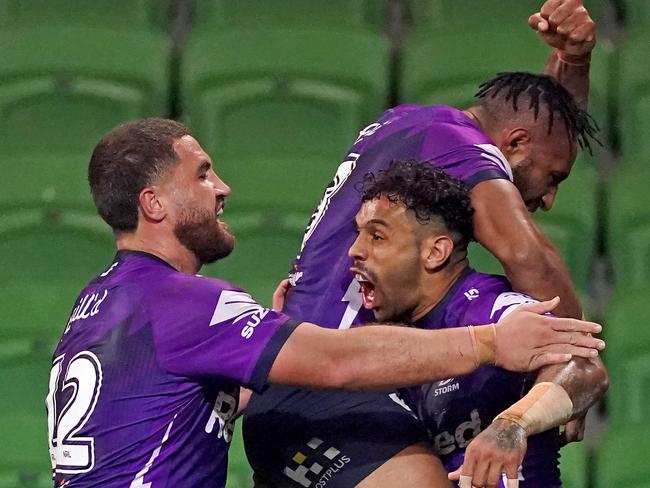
(357, 251)
(220, 187)
(549, 199)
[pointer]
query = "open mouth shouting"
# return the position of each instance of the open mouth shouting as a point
(367, 288)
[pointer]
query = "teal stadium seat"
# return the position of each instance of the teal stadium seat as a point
(338, 14)
(629, 226)
(622, 458)
(130, 14)
(628, 357)
(574, 462)
(45, 263)
(570, 224)
(279, 106)
(62, 88)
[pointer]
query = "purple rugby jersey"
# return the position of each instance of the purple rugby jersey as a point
(324, 291)
(145, 380)
(455, 410)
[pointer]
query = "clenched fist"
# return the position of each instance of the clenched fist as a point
(566, 26)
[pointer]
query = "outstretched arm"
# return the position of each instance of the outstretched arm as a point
(385, 357)
(566, 26)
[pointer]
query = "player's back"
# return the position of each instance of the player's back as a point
(145, 379)
(456, 410)
(324, 291)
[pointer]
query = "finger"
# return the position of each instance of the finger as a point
(562, 12)
(547, 359)
(494, 475)
(577, 18)
(574, 325)
(481, 469)
(538, 23)
(512, 475)
(584, 33)
(455, 475)
(575, 351)
(579, 339)
(549, 7)
(540, 307)
(465, 481)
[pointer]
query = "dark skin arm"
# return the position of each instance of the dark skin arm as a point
(504, 226)
(566, 26)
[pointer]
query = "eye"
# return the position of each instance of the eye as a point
(377, 237)
(203, 176)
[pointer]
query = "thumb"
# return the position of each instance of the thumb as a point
(455, 475)
(541, 307)
(538, 23)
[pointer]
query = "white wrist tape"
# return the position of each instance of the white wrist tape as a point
(546, 405)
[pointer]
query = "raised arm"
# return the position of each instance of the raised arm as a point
(385, 357)
(504, 226)
(566, 26)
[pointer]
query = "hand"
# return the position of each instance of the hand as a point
(498, 449)
(527, 340)
(574, 431)
(280, 294)
(566, 26)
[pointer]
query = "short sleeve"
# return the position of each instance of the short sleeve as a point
(205, 327)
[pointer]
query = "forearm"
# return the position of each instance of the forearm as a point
(572, 72)
(584, 380)
(373, 357)
(541, 273)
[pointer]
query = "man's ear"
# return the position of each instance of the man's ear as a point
(151, 206)
(516, 142)
(436, 251)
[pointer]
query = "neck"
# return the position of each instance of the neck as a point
(167, 248)
(438, 284)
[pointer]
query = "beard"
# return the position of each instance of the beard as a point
(200, 232)
(523, 180)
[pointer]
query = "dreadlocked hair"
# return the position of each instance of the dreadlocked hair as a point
(544, 89)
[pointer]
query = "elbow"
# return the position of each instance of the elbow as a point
(593, 375)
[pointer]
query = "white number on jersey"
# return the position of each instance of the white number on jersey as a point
(70, 453)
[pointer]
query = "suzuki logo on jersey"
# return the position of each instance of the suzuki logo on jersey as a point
(310, 468)
(447, 442)
(234, 306)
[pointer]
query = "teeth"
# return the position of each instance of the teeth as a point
(360, 278)
(220, 211)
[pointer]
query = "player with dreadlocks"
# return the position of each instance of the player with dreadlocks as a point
(512, 150)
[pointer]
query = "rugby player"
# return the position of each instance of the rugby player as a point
(145, 379)
(513, 150)
(410, 258)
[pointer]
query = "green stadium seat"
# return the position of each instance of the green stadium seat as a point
(628, 357)
(263, 252)
(50, 179)
(24, 458)
(343, 14)
(622, 458)
(45, 263)
(123, 14)
(240, 474)
(629, 227)
(61, 88)
(280, 103)
(574, 460)
(634, 101)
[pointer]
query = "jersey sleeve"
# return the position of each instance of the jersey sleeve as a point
(205, 328)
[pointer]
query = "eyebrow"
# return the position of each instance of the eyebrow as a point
(372, 221)
(205, 166)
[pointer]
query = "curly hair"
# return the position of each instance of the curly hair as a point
(429, 192)
(544, 89)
